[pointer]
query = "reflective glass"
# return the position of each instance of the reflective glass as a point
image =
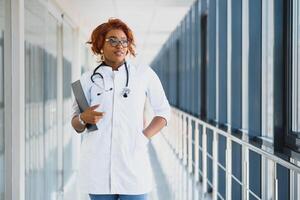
(295, 68)
(41, 152)
(67, 101)
(34, 96)
(50, 109)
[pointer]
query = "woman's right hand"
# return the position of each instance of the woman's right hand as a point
(91, 116)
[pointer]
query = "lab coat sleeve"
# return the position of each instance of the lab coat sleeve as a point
(157, 97)
(75, 109)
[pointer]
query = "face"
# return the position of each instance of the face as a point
(115, 47)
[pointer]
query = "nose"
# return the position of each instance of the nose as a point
(119, 45)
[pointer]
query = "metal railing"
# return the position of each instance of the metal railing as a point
(201, 159)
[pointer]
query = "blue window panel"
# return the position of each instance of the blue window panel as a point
(173, 74)
(211, 70)
(183, 64)
(222, 182)
(181, 68)
(210, 136)
(196, 75)
(222, 150)
(209, 151)
(283, 175)
(182, 49)
(200, 151)
(189, 65)
(200, 128)
(255, 31)
(204, 5)
(170, 75)
(279, 71)
(200, 165)
(186, 75)
(236, 70)
(203, 67)
(236, 190)
(222, 61)
(255, 173)
(193, 143)
(193, 59)
(197, 58)
(209, 172)
(237, 160)
(178, 74)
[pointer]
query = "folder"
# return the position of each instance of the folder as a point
(82, 102)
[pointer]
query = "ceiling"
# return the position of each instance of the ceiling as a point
(152, 21)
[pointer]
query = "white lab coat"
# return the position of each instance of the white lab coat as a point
(114, 159)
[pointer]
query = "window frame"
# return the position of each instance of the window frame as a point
(291, 138)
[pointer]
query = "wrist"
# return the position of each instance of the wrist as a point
(145, 134)
(81, 121)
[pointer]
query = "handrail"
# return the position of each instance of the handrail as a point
(242, 142)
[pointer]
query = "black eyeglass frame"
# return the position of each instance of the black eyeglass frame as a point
(115, 42)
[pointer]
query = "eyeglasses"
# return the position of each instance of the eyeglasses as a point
(114, 42)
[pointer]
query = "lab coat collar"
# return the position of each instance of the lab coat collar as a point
(108, 69)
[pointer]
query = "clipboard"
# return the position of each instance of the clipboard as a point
(82, 102)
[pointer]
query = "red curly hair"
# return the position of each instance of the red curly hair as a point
(99, 33)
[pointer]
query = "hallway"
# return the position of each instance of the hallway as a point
(229, 69)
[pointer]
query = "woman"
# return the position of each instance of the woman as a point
(114, 162)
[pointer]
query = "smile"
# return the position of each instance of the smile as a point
(119, 53)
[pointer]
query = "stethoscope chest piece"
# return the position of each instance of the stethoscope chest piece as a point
(126, 92)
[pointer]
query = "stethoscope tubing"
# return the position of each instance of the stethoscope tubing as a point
(126, 89)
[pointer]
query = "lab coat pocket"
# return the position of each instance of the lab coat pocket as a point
(97, 95)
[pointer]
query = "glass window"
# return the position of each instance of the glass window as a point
(211, 67)
(41, 148)
(236, 92)
(255, 68)
(2, 100)
(67, 77)
(86, 58)
(34, 111)
(292, 38)
(295, 71)
(203, 66)
(221, 71)
(50, 108)
(236, 63)
(268, 38)
(222, 62)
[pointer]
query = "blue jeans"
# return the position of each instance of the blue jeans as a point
(118, 197)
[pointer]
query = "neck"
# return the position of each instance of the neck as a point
(114, 65)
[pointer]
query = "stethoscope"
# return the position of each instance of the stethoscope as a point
(126, 89)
